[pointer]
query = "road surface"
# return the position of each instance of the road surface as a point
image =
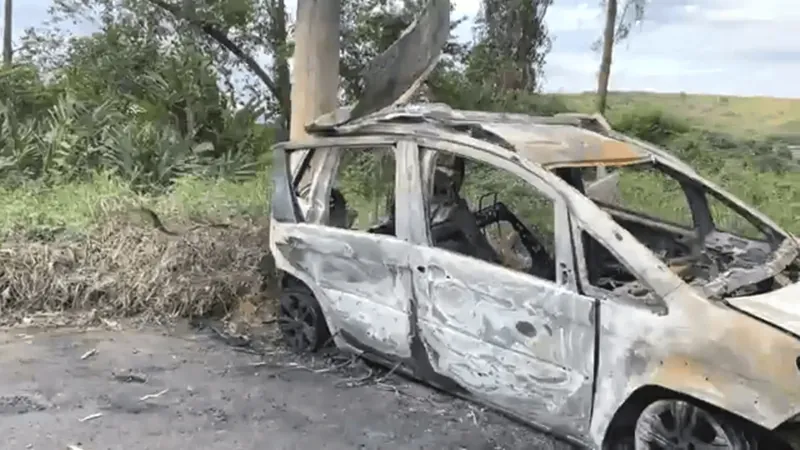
(203, 394)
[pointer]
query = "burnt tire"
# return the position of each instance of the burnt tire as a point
(679, 424)
(301, 321)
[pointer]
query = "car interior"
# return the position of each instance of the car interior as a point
(696, 253)
(456, 227)
(673, 243)
(467, 228)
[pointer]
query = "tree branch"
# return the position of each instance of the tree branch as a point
(225, 41)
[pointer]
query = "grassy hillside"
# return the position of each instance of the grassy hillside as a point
(747, 117)
(727, 139)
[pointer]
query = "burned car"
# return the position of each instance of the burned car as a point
(482, 254)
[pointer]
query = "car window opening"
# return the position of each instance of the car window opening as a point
(699, 238)
(484, 212)
(360, 192)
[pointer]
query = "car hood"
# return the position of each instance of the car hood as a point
(780, 308)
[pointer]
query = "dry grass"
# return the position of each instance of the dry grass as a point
(71, 249)
(124, 269)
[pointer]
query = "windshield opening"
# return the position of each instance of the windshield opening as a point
(701, 234)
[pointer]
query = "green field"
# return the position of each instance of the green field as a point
(740, 116)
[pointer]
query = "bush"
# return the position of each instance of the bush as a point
(66, 137)
(650, 124)
(126, 270)
(456, 90)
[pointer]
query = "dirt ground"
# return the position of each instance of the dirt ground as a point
(153, 389)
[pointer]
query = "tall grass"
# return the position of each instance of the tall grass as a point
(759, 171)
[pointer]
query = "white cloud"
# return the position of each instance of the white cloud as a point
(773, 11)
(745, 47)
(584, 16)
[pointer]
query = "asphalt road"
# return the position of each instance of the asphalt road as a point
(204, 395)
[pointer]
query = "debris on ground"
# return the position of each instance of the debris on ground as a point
(129, 378)
(91, 417)
(123, 270)
(144, 398)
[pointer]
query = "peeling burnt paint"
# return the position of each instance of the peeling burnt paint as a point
(361, 294)
(563, 355)
(564, 146)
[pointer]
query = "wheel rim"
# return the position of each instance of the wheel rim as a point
(679, 425)
(298, 321)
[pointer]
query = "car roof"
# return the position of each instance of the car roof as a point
(563, 140)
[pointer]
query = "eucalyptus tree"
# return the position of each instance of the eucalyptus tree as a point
(617, 28)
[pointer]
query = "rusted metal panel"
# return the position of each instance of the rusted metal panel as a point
(545, 141)
(566, 146)
(394, 71)
(605, 189)
(706, 351)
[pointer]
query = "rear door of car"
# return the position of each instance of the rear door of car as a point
(361, 279)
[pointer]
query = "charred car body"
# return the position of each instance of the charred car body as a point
(616, 330)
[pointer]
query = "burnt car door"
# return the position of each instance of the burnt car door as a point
(360, 277)
(515, 340)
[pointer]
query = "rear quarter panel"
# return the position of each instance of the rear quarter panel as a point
(704, 350)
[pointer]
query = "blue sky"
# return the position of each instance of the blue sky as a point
(728, 47)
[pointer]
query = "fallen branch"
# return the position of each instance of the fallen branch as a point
(129, 378)
(158, 224)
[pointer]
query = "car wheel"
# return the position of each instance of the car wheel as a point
(301, 321)
(680, 425)
(621, 442)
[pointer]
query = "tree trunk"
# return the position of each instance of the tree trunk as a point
(7, 34)
(315, 75)
(278, 37)
(190, 38)
(608, 49)
(7, 59)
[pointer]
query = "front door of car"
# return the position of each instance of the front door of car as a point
(360, 278)
(522, 343)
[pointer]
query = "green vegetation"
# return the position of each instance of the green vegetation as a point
(760, 171)
(37, 211)
(42, 198)
(743, 117)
